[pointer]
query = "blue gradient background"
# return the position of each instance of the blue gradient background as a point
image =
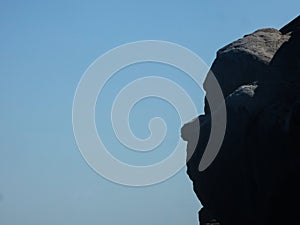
(45, 46)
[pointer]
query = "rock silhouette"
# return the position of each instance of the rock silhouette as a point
(254, 180)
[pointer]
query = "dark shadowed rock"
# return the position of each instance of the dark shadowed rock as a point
(254, 180)
(292, 26)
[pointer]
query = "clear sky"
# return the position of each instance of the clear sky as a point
(45, 47)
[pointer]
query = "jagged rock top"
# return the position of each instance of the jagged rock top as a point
(243, 61)
(262, 44)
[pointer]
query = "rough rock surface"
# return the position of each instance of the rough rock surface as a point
(255, 178)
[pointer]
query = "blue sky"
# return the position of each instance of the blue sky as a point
(45, 47)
